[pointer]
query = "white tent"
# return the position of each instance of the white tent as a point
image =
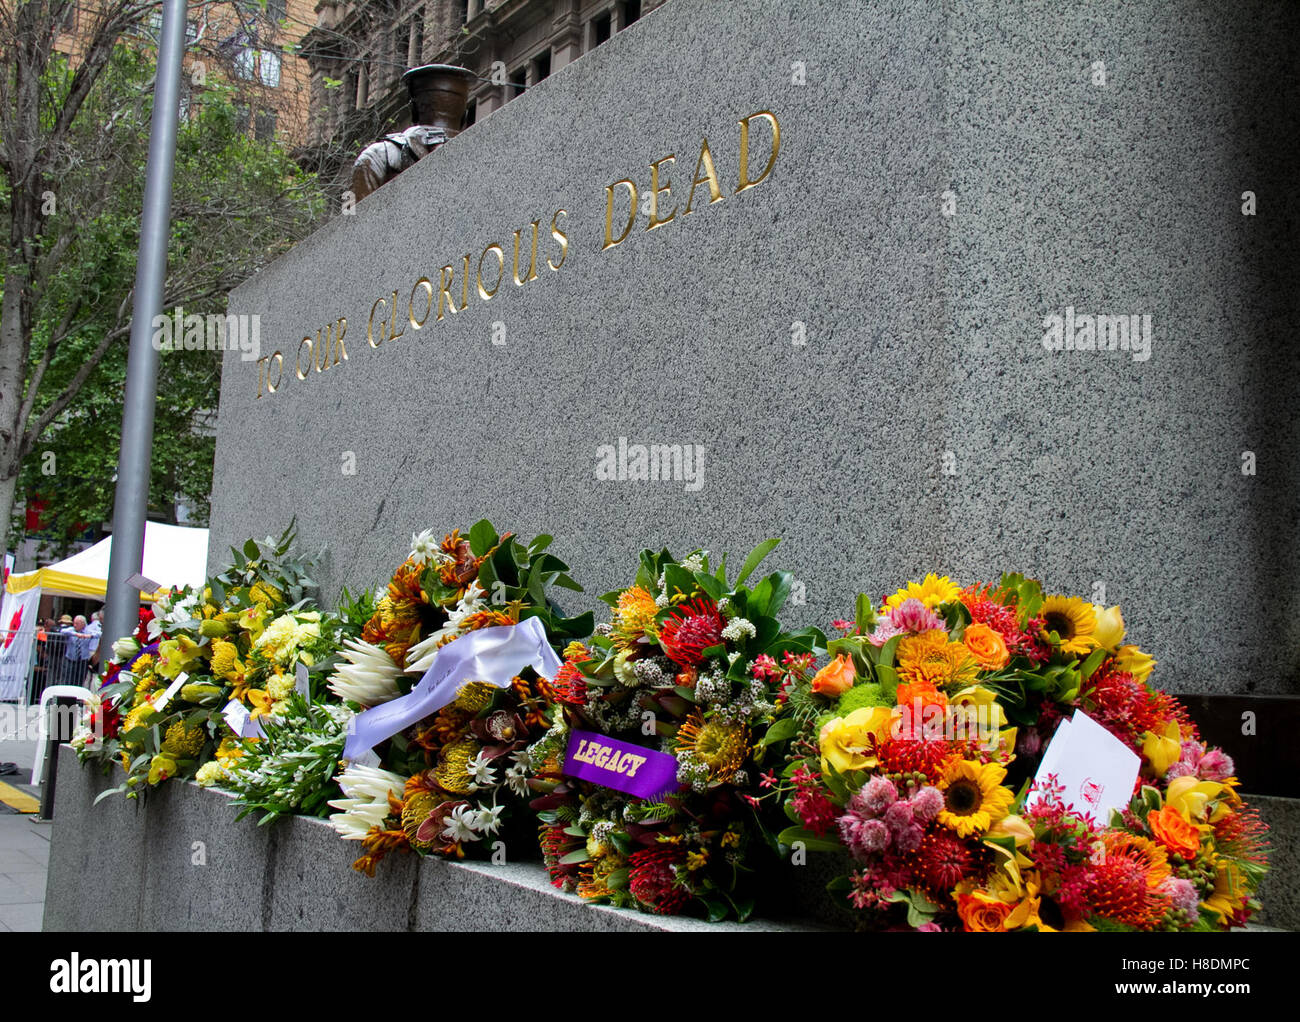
(173, 556)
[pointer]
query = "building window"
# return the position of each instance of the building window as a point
(264, 126)
(191, 33)
(471, 112)
(244, 61)
(518, 83)
(417, 39)
(631, 12)
(269, 69)
(241, 119)
(275, 10)
(600, 29)
(541, 66)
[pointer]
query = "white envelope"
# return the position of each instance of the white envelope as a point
(1095, 768)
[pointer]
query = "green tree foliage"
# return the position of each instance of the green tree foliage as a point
(237, 203)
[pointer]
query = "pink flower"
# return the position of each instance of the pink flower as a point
(863, 837)
(885, 631)
(898, 817)
(875, 797)
(909, 839)
(914, 616)
(1182, 893)
(926, 804)
(1216, 765)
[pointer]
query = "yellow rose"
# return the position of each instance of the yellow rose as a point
(1135, 662)
(1109, 632)
(850, 743)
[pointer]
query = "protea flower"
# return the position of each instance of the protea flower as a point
(370, 678)
(366, 806)
(690, 629)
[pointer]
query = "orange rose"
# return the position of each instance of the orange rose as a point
(986, 645)
(1175, 833)
(835, 678)
(981, 913)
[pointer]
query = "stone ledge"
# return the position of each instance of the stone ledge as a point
(297, 875)
(292, 875)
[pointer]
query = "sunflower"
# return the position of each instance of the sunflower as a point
(973, 796)
(719, 745)
(931, 661)
(1073, 620)
(634, 617)
(933, 591)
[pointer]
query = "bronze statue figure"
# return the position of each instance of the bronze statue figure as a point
(439, 95)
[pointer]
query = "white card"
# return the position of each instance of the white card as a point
(302, 682)
(1094, 767)
(236, 716)
(143, 583)
(163, 698)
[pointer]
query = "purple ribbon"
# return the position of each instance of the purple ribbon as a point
(620, 765)
(493, 655)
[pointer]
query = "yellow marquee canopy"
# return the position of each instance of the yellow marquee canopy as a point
(173, 556)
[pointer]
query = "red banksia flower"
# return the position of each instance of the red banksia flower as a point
(690, 629)
(653, 882)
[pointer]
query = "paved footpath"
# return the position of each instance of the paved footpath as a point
(24, 845)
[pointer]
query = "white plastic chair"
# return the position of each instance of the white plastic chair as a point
(54, 692)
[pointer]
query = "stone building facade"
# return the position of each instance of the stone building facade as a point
(359, 49)
(250, 45)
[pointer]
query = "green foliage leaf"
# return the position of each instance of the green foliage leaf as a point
(754, 559)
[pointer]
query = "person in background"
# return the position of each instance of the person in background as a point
(96, 630)
(59, 665)
(41, 668)
(76, 655)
